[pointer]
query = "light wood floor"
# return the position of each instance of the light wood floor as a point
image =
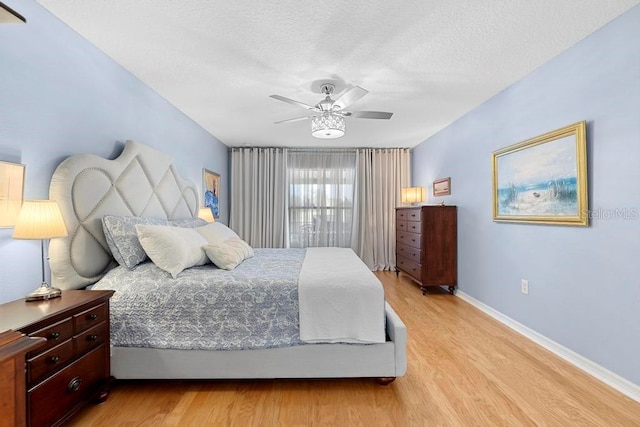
(464, 369)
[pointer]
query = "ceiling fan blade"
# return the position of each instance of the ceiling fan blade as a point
(293, 120)
(367, 114)
(291, 101)
(350, 96)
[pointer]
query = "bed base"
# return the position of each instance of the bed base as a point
(384, 362)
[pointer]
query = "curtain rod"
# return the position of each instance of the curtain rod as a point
(325, 150)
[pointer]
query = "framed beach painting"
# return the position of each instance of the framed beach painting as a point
(11, 192)
(211, 189)
(543, 180)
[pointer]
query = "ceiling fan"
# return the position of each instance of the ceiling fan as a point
(327, 119)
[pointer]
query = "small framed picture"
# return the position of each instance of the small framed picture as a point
(442, 187)
(211, 189)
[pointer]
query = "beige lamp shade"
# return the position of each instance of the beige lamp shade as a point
(413, 195)
(39, 219)
(206, 214)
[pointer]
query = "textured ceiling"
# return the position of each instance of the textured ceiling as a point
(427, 61)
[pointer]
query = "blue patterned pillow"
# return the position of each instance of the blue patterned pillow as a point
(122, 238)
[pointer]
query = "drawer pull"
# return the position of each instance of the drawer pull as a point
(55, 336)
(74, 384)
(413, 240)
(92, 338)
(54, 359)
(93, 316)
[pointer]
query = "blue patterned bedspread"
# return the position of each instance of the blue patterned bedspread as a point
(253, 306)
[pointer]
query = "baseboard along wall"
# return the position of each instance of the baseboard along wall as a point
(612, 379)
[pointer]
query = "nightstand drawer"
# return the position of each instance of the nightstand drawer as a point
(406, 251)
(55, 334)
(50, 400)
(47, 363)
(90, 318)
(91, 338)
(411, 268)
(411, 239)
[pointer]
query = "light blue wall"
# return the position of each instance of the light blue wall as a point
(61, 96)
(584, 283)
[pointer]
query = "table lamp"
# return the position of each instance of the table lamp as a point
(206, 214)
(413, 195)
(40, 220)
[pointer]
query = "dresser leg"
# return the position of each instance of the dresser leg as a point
(397, 272)
(424, 290)
(451, 289)
(105, 391)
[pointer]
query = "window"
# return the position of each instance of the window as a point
(321, 190)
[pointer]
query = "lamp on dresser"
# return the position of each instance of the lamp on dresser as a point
(413, 195)
(40, 220)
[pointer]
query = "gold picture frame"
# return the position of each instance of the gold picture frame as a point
(211, 191)
(543, 180)
(11, 192)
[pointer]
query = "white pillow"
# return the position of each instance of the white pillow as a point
(216, 233)
(229, 253)
(172, 248)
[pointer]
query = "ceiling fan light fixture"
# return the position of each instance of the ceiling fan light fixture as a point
(327, 126)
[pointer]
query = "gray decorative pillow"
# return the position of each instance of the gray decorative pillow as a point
(188, 222)
(122, 238)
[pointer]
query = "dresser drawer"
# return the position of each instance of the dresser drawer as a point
(55, 334)
(414, 227)
(50, 400)
(408, 214)
(411, 239)
(411, 268)
(406, 251)
(43, 365)
(401, 225)
(87, 319)
(91, 338)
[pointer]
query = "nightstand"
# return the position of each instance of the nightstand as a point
(73, 367)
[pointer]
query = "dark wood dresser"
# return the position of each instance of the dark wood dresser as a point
(73, 367)
(427, 245)
(13, 348)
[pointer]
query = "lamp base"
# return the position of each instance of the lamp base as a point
(44, 292)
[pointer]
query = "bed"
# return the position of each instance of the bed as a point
(143, 183)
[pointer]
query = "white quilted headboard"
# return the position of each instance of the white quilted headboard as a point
(140, 182)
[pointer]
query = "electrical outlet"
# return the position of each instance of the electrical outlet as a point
(524, 286)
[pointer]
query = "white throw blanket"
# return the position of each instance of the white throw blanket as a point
(341, 300)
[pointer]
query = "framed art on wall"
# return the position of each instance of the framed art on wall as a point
(211, 189)
(543, 179)
(11, 192)
(442, 187)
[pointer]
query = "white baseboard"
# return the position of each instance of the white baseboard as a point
(623, 385)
